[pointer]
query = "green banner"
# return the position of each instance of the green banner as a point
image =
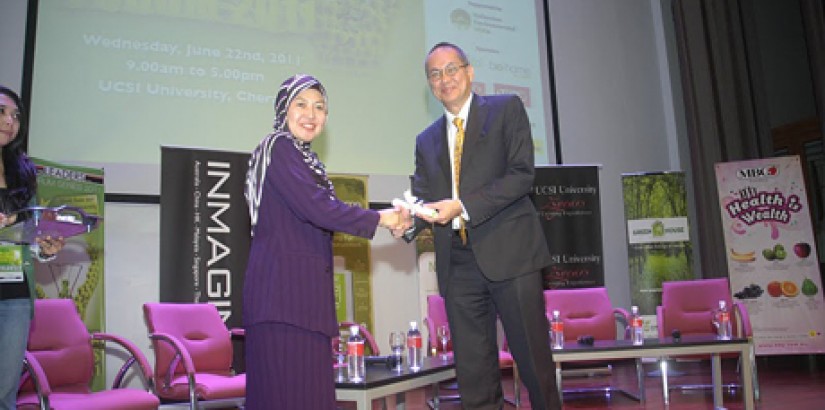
(77, 272)
(353, 271)
(659, 246)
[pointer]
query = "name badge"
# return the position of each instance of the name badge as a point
(11, 263)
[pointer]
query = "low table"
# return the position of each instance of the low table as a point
(662, 349)
(382, 382)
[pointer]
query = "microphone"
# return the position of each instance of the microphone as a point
(389, 361)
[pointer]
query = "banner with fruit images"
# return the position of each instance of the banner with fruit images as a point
(77, 271)
(658, 241)
(771, 263)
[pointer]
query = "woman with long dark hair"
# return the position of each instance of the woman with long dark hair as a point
(18, 184)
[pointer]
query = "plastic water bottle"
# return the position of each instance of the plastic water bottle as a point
(724, 330)
(556, 331)
(637, 330)
(356, 367)
(414, 342)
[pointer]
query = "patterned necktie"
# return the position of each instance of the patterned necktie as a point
(459, 148)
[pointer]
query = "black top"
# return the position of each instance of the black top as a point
(11, 290)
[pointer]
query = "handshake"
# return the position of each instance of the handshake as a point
(399, 219)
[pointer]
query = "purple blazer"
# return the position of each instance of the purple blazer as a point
(289, 276)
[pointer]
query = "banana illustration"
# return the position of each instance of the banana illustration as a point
(743, 256)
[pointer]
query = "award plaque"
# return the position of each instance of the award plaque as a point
(38, 221)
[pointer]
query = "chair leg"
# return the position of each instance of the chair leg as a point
(434, 402)
(516, 387)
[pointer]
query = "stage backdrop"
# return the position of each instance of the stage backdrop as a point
(567, 200)
(77, 272)
(772, 261)
(658, 242)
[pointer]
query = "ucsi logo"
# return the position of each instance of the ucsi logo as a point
(755, 173)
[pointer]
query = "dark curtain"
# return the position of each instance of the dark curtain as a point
(725, 113)
(725, 105)
(813, 19)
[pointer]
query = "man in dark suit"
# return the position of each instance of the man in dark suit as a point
(489, 244)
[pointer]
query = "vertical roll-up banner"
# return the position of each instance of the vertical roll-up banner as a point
(427, 277)
(567, 200)
(658, 241)
(352, 267)
(772, 261)
(204, 230)
(77, 271)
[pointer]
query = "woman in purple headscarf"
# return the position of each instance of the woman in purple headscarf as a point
(289, 306)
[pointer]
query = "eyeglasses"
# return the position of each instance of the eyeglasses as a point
(450, 70)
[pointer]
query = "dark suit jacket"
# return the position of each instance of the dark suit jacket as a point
(497, 171)
(289, 276)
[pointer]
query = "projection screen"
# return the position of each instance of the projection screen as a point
(114, 80)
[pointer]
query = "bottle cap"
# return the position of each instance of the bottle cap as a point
(353, 330)
(634, 309)
(413, 325)
(722, 304)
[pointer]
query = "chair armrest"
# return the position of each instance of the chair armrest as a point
(188, 364)
(431, 340)
(38, 377)
(624, 318)
(181, 352)
(660, 320)
(741, 311)
(236, 331)
(135, 353)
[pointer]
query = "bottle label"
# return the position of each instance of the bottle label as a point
(355, 349)
(414, 341)
(636, 322)
(557, 326)
(724, 316)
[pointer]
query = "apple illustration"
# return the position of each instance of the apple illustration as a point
(802, 249)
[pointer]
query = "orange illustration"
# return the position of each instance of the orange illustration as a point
(789, 289)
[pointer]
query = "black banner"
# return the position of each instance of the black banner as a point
(204, 232)
(567, 200)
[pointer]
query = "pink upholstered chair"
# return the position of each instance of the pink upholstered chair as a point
(193, 355)
(60, 364)
(586, 311)
(689, 306)
(589, 312)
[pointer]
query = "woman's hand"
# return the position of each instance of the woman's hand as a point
(395, 219)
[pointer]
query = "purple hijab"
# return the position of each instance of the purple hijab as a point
(262, 156)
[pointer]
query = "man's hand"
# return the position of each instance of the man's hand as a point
(447, 210)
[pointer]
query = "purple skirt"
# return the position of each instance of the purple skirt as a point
(288, 368)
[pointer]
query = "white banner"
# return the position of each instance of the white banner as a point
(772, 262)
